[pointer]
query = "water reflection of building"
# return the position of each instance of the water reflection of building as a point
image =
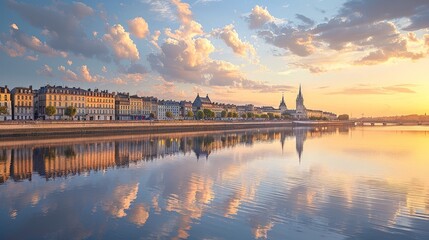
(58, 160)
(5, 159)
(301, 136)
(22, 163)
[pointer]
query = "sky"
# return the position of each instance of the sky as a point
(359, 57)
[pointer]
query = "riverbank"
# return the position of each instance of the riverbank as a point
(69, 128)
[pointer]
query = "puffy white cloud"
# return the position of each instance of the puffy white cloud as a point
(139, 27)
(46, 71)
(231, 38)
(154, 38)
(104, 69)
(183, 11)
(259, 17)
(69, 62)
(86, 75)
(14, 26)
(68, 75)
(121, 43)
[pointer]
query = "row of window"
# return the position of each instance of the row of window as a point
(25, 97)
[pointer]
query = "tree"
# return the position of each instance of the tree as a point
(200, 114)
(207, 113)
(169, 114)
(70, 111)
(224, 113)
(235, 115)
(343, 117)
(212, 114)
(50, 111)
(271, 116)
(250, 115)
(257, 116)
(264, 116)
(230, 114)
(244, 116)
(190, 114)
(152, 115)
(3, 110)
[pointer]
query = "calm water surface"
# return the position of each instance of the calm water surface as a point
(302, 183)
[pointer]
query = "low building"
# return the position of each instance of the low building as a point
(330, 116)
(136, 108)
(5, 102)
(201, 103)
(60, 98)
(314, 114)
(168, 106)
(185, 107)
(100, 105)
(243, 109)
(271, 110)
(149, 105)
(90, 105)
(22, 103)
(122, 106)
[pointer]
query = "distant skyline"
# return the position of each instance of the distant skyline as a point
(353, 56)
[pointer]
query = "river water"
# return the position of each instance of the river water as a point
(291, 183)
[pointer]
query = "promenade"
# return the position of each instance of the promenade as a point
(66, 128)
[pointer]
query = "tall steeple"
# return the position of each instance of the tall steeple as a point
(283, 106)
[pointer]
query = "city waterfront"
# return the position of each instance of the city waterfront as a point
(279, 183)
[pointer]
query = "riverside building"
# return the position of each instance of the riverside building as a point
(22, 103)
(5, 102)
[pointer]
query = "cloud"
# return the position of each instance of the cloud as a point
(185, 56)
(358, 29)
(139, 27)
(32, 58)
(86, 75)
(12, 48)
(296, 41)
(18, 42)
(69, 62)
(231, 38)
(259, 17)
(368, 90)
(46, 71)
(307, 21)
(154, 38)
(162, 8)
(136, 68)
(68, 75)
(104, 69)
(183, 11)
(121, 43)
(61, 23)
(14, 26)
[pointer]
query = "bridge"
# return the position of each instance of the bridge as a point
(388, 123)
